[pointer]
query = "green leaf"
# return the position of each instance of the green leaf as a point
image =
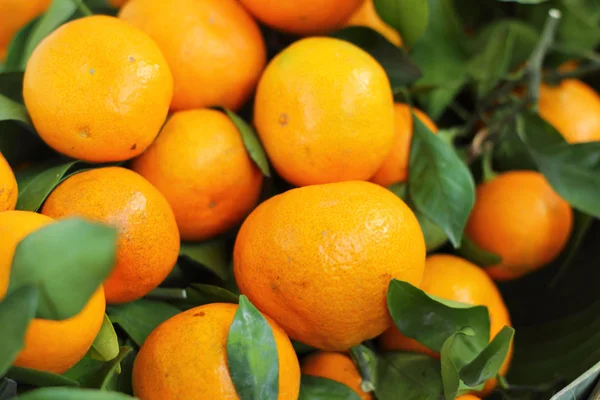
(319, 388)
(469, 250)
(10, 110)
(211, 254)
(199, 294)
(97, 374)
(252, 354)
(8, 389)
(525, 1)
(434, 236)
(409, 17)
(366, 362)
(52, 258)
(34, 377)
(72, 394)
(19, 143)
(16, 312)
(579, 388)
(440, 184)
(139, 318)
(15, 56)
(11, 85)
(408, 376)
(106, 344)
(452, 358)
(123, 381)
(400, 69)
(252, 143)
(36, 182)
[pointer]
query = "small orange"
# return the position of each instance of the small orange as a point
(468, 397)
(335, 366)
(186, 358)
(573, 108)
(319, 259)
(94, 99)
(214, 48)
(16, 14)
(518, 216)
(148, 237)
(200, 164)
(324, 111)
(8, 186)
(395, 167)
(366, 15)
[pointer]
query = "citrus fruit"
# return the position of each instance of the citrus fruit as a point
(335, 366)
(148, 243)
(94, 99)
(302, 17)
(319, 260)
(186, 358)
(395, 167)
(518, 216)
(15, 15)
(366, 15)
(53, 346)
(573, 108)
(468, 397)
(8, 186)
(200, 164)
(214, 48)
(324, 112)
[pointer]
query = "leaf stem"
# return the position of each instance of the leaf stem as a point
(167, 294)
(486, 162)
(83, 8)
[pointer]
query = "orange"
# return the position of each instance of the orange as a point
(148, 243)
(453, 278)
(302, 17)
(468, 397)
(395, 167)
(521, 218)
(200, 164)
(366, 15)
(95, 99)
(186, 358)
(214, 48)
(335, 366)
(319, 260)
(8, 186)
(16, 14)
(53, 346)
(324, 112)
(573, 108)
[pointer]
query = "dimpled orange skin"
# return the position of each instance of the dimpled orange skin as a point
(8, 186)
(319, 260)
(148, 243)
(94, 99)
(186, 358)
(533, 228)
(200, 164)
(214, 48)
(16, 14)
(335, 366)
(573, 108)
(324, 112)
(366, 15)
(395, 167)
(453, 278)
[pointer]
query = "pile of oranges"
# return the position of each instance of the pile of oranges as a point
(151, 91)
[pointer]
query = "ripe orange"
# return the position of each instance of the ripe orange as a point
(319, 259)
(520, 217)
(468, 397)
(148, 237)
(366, 15)
(324, 112)
(303, 17)
(395, 167)
(186, 358)
(335, 366)
(94, 99)
(214, 48)
(8, 186)
(16, 14)
(200, 164)
(573, 108)
(456, 279)
(53, 346)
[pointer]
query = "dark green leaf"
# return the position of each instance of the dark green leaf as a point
(252, 354)
(579, 388)
(8, 389)
(37, 182)
(440, 184)
(199, 294)
(525, 1)
(469, 250)
(96, 374)
(488, 362)
(434, 236)
(400, 189)
(18, 143)
(123, 381)
(34, 377)
(15, 55)
(253, 145)
(301, 348)
(318, 388)
(11, 85)
(455, 353)
(409, 17)
(16, 311)
(211, 254)
(10, 110)
(106, 344)
(167, 294)
(366, 362)
(139, 318)
(408, 376)
(52, 258)
(72, 394)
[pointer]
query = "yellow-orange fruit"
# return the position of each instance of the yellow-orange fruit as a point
(148, 243)
(214, 48)
(96, 99)
(16, 14)
(468, 397)
(319, 260)
(201, 166)
(186, 358)
(366, 15)
(9, 190)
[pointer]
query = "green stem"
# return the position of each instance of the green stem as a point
(84, 9)
(486, 162)
(167, 294)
